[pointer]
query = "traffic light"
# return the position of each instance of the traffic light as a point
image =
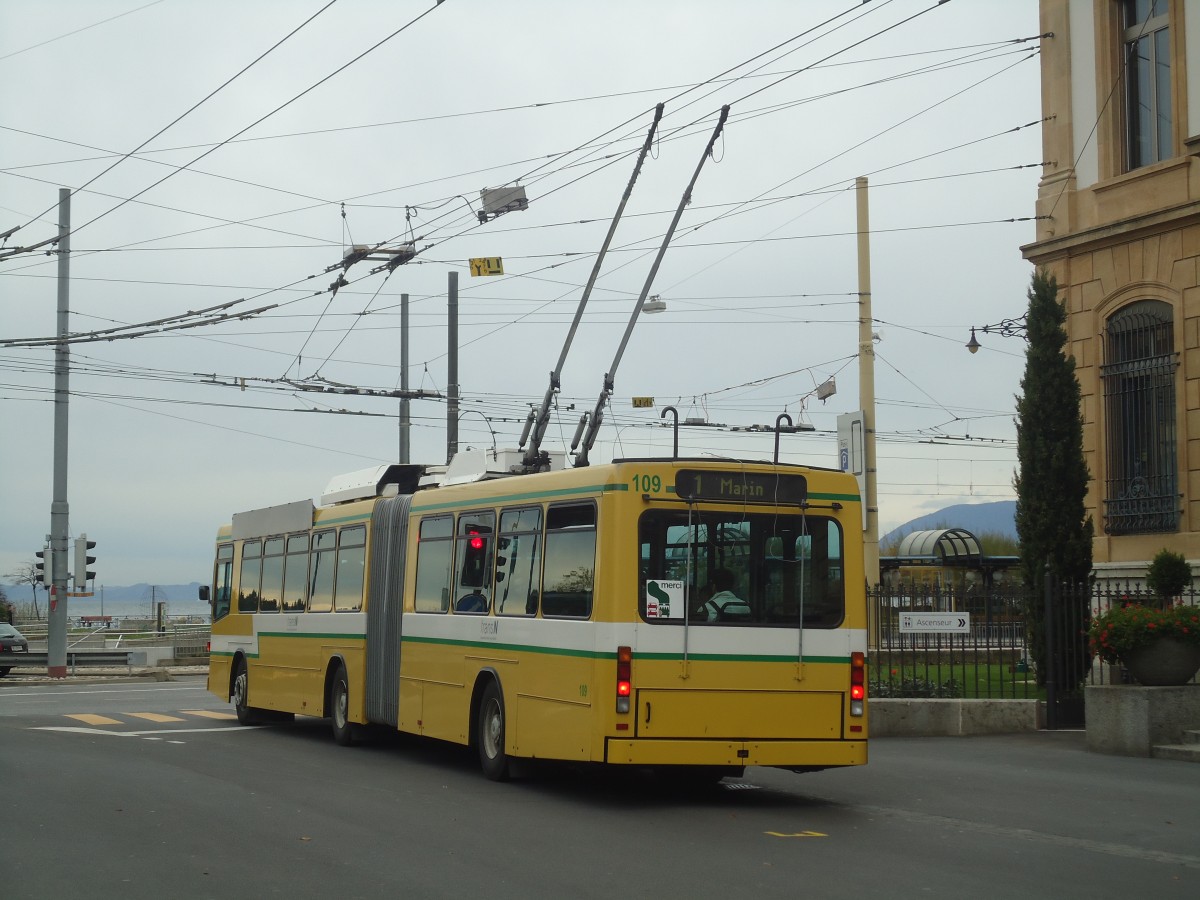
(82, 574)
(475, 555)
(45, 566)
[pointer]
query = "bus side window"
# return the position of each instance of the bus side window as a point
(250, 576)
(476, 533)
(518, 561)
(434, 551)
(295, 573)
(272, 575)
(223, 581)
(570, 561)
(351, 569)
(321, 568)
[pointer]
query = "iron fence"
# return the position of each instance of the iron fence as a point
(998, 650)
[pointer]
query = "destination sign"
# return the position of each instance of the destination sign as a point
(936, 623)
(741, 487)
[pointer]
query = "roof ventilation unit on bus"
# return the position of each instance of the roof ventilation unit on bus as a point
(377, 481)
(470, 465)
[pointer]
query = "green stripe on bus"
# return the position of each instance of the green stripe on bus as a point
(512, 648)
(332, 635)
(342, 520)
(602, 654)
(232, 653)
(738, 657)
(850, 498)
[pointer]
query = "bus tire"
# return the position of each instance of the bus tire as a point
(489, 734)
(246, 714)
(344, 730)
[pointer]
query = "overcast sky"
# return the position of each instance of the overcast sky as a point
(305, 127)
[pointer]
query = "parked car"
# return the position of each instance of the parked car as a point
(11, 642)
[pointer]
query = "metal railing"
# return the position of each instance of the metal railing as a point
(998, 656)
(990, 659)
(185, 639)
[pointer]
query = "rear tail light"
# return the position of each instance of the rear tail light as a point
(858, 682)
(624, 677)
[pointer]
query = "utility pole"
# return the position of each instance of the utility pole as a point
(56, 635)
(452, 366)
(866, 383)
(405, 421)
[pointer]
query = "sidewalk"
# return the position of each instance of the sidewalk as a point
(37, 675)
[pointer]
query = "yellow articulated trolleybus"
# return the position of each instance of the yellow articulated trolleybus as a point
(698, 614)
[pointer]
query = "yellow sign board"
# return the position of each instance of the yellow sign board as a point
(643, 402)
(487, 265)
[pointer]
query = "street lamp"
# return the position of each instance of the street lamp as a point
(1004, 328)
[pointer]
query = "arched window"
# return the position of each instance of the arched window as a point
(1142, 491)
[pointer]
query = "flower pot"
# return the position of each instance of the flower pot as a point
(1164, 661)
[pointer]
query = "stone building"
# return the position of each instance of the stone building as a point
(1119, 202)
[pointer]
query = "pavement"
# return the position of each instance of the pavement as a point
(37, 674)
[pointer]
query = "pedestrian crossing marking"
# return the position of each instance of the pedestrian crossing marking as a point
(160, 718)
(209, 713)
(92, 719)
(221, 720)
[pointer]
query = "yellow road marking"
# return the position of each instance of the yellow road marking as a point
(91, 719)
(208, 713)
(157, 717)
(797, 834)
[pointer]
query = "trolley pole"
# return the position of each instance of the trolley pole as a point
(452, 366)
(56, 637)
(405, 422)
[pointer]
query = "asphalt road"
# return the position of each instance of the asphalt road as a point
(131, 790)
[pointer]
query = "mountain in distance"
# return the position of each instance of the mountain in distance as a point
(999, 517)
(146, 593)
(122, 600)
(133, 593)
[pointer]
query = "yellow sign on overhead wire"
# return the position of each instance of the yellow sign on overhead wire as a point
(487, 265)
(643, 402)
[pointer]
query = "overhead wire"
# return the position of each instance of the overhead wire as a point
(266, 116)
(185, 114)
(78, 30)
(377, 292)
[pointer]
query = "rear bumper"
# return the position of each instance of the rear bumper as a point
(675, 751)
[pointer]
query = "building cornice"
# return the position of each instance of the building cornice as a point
(1118, 232)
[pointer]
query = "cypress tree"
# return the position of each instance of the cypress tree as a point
(1051, 484)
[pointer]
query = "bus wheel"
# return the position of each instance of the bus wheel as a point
(246, 715)
(490, 734)
(339, 712)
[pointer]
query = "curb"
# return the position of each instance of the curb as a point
(163, 673)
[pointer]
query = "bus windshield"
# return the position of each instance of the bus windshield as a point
(756, 569)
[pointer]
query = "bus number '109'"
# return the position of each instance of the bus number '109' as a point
(647, 484)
